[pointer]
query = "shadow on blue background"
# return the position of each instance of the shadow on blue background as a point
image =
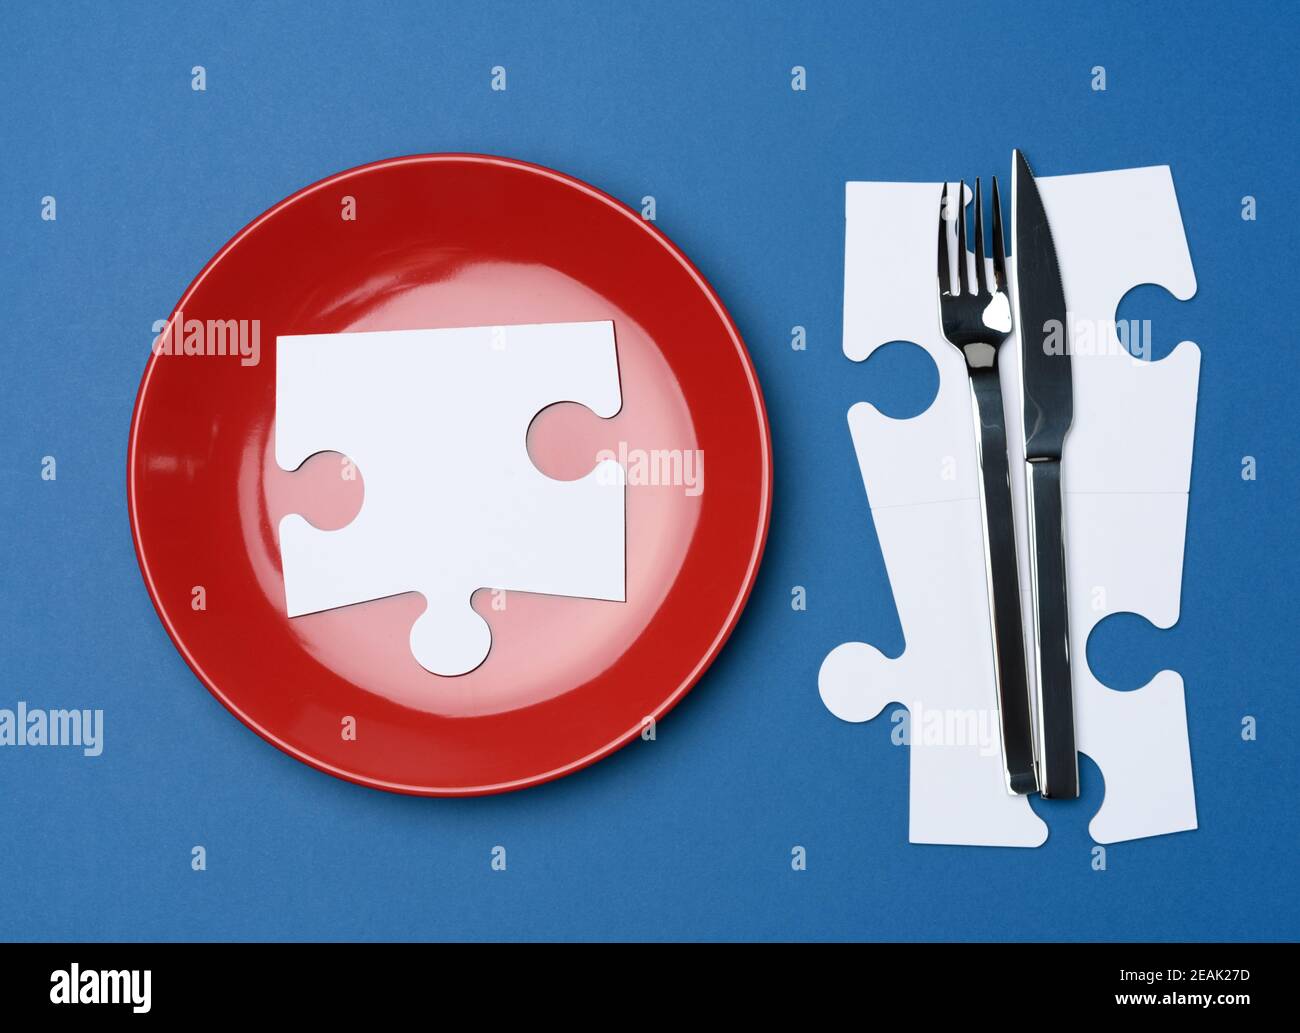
(689, 836)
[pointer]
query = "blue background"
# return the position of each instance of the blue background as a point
(689, 836)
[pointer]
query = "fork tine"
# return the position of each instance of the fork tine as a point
(999, 248)
(945, 270)
(961, 238)
(981, 274)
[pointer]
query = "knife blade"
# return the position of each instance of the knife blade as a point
(1047, 388)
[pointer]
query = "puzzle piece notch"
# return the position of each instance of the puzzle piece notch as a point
(438, 421)
(1130, 563)
(891, 295)
(1124, 229)
(888, 296)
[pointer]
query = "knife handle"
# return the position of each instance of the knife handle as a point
(1003, 580)
(1058, 761)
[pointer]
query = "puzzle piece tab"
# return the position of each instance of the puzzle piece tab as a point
(436, 421)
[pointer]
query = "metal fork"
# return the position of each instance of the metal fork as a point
(977, 322)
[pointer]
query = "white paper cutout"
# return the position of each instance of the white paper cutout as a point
(1126, 475)
(436, 421)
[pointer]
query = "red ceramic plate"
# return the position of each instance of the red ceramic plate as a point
(444, 241)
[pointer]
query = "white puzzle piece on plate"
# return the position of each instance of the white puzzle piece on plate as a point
(1126, 475)
(436, 421)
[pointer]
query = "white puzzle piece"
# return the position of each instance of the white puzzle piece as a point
(921, 478)
(436, 421)
(1126, 475)
(957, 789)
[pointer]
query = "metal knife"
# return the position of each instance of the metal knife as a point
(1048, 390)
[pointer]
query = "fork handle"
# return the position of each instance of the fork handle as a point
(1003, 580)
